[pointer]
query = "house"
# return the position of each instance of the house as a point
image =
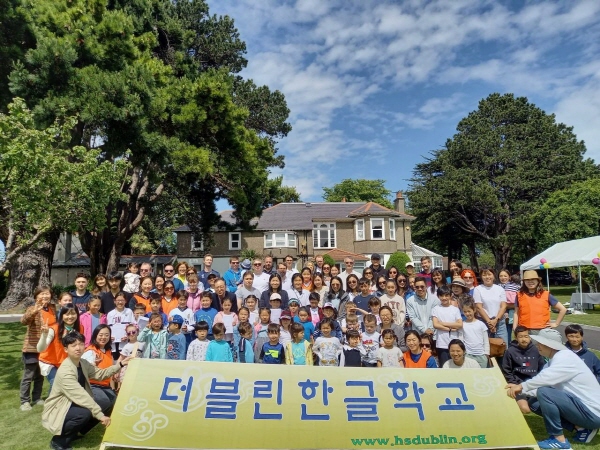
(305, 230)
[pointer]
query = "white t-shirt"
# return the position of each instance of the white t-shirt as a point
(468, 364)
(475, 338)
(301, 296)
(491, 297)
(389, 358)
(446, 314)
(188, 318)
(127, 350)
(396, 303)
(261, 282)
(370, 343)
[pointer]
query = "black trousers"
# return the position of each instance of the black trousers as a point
(31, 376)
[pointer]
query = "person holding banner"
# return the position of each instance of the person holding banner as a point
(71, 407)
(567, 391)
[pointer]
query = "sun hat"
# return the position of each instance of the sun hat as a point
(246, 264)
(531, 275)
(550, 338)
(457, 281)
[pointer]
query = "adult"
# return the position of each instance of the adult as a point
(426, 269)
(335, 271)
(395, 302)
(454, 268)
(369, 275)
(320, 287)
(380, 284)
(352, 287)
(419, 307)
(115, 280)
(409, 267)
(159, 284)
(170, 276)
(146, 270)
(511, 290)
(376, 267)
(286, 282)
(393, 272)
(181, 273)
(100, 285)
(337, 297)
(458, 357)
(221, 293)
(233, 276)
(268, 266)
(387, 323)
(297, 291)
(567, 392)
(458, 288)
(194, 291)
(402, 286)
(71, 407)
(532, 307)
(349, 270)
(207, 270)
(320, 262)
(437, 280)
(490, 301)
(247, 288)
(261, 279)
(274, 288)
(417, 357)
(144, 295)
(169, 298)
(470, 279)
(289, 263)
(81, 296)
(326, 272)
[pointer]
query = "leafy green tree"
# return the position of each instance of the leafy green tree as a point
(398, 260)
(360, 190)
(487, 182)
(46, 186)
(327, 259)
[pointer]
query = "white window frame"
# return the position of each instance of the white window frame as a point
(360, 229)
(331, 234)
(392, 225)
(237, 242)
(194, 246)
(287, 239)
(382, 229)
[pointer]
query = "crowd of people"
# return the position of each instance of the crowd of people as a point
(318, 315)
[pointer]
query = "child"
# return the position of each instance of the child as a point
(81, 296)
(219, 350)
(298, 351)
(244, 346)
(327, 347)
(275, 302)
(261, 332)
(155, 305)
(350, 308)
(154, 338)
(329, 313)
(294, 306)
(575, 342)
(187, 315)
(132, 348)
(389, 355)
(316, 313)
(272, 352)
(114, 280)
(90, 319)
(176, 343)
(447, 322)
(132, 279)
(521, 362)
(206, 314)
(227, 318)
(199, 346)
(370, 341)
(352, 352)
(350, 323)
(362, 299)
(374, 306)
(285, 330)
(139, 311)
(243, 317)
(117, 320)
(304, 320)
(251, 302)
(475, 335)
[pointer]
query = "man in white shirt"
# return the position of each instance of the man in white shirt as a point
(286, 281)
(261, 279)
(349, 263)
(319, 264)
(289, 263)
(567, 391)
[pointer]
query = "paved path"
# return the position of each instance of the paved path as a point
(10, 318)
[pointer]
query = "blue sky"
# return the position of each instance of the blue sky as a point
(373, 86)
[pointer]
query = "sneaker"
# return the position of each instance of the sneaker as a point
(585, 436)
(552, 442)
(40, 402)
(25, 407)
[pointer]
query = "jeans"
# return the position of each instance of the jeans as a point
(51, 375)
(31, 375)
(443, 355)
(562, 410)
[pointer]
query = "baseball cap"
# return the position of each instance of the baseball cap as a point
(409, 264)
(328, 305)
(275, 296)
(285, 314)
(176, 319)
(375, 256)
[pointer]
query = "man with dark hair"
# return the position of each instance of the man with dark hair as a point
(114, 280)
(221, 293)
(268, 265)
(81, 295)
(419, 307)
(169, 271)
(233, 276)
(71, 407)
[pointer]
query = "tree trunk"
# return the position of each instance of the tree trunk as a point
(472, 255)
(501, 256)
(29, 270)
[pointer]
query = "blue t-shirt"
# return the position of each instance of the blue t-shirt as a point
(245, 351)
(272, 354)
(362, 302)
(309, 328)
(219, 351)
(208, 315)
(176, 347)
(299, 353)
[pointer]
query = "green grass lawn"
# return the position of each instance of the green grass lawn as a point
(23, 430)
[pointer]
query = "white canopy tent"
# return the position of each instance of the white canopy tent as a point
(579, 252)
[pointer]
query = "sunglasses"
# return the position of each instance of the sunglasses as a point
(426, 345)
(420, 287)
(131, 333)
(257, 264)
(351, 282)
(382, 282)
(235, 262)
(169, 270)
(402, 280)
(468, 278)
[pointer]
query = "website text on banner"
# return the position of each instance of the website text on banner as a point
(186, 404)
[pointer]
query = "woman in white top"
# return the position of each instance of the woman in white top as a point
(490, 300)
(320, 288)
(458, 355)
(246, 289)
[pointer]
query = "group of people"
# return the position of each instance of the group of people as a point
(259, 313)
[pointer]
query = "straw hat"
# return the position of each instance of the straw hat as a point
(550, 338)
(458, 281)
(531, 275)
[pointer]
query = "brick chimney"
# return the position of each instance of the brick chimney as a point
(399, 203)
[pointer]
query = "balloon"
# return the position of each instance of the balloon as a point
(598, 253)
(546, 265)
(543, 260)
(541, 266)
(596, 261)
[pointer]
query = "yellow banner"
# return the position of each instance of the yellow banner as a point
(185, 404)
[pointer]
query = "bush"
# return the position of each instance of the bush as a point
(399, 260)
(327, 259)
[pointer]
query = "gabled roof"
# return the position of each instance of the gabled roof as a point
(226, 217)
(339, 255)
